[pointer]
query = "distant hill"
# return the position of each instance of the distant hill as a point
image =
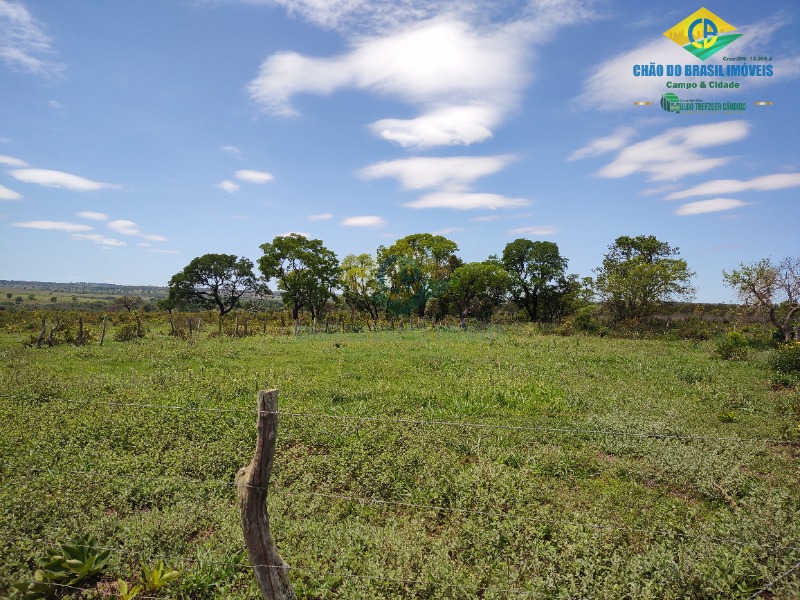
(82, 287)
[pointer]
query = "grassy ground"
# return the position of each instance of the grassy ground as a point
(412, 464)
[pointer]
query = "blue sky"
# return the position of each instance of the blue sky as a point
(135, 136)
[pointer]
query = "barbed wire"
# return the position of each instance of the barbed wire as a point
(569, 430)
(774, 581)
(279, 490)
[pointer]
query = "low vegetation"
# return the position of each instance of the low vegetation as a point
(497, 462)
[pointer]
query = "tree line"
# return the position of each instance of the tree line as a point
(421, 274)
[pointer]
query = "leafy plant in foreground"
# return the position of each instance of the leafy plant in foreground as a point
(67, 565)
(126, 593)
(156, 577)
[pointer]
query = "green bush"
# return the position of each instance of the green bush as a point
(785, 364)
(786, 359)
(732, 347)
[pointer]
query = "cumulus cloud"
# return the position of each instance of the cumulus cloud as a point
(452, 173)
(59, 179)
(7, 194)
(24, 45)
(364, 221)
(464, 80)
(466, 201)
(708, 206)
(228, 186)
(98, 239)
(777, 181)
(250, 176)
(288, 233)
(320, 217)
(446, 126)
(673, 154)
(12, 162)
(93, 216)
(53, 226)
(536, 231)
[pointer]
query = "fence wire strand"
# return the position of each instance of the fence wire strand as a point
(568, 430)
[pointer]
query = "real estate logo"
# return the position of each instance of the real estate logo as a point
(702, 33)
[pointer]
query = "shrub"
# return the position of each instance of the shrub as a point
(128, 332)
(785, 362)
(786, 359)
(732, 347)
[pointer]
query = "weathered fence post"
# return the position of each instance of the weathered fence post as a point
(103, 332)
(252, 482)
(41, 333)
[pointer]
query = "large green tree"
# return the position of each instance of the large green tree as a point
(361, 290)
(477, 287)
(306, 271)
(774, 288)
(640, 272)
(215, 281)
(416, 268)
(537, 270)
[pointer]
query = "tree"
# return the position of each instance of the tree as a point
(770, 287)
(361, 289)
(214, 281)
(638, 273)
(128, 302)
(537, 269)
(306, 271)
(477, 288)
(416, 268)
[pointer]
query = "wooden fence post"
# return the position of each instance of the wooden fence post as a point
(251, 483)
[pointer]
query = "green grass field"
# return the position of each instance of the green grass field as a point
(416, 464)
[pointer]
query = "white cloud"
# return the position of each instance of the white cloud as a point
(288, 233)
(12, 162)
(364, 221)
(7, 194)
(59, 179)
(446, 126)
(160, 251)
(708, 206)
(98, 239)
(23, 43)
(777, 181)
(453, 173)
(53, 226)
(93, 216)
(464, 80)
(233, 150)
(253, 176)
(466, 201)
(126, 227)
(673, 154)
(447, 230)
(228, 186)
(599, 146)
(537, 231)
(320, 217)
